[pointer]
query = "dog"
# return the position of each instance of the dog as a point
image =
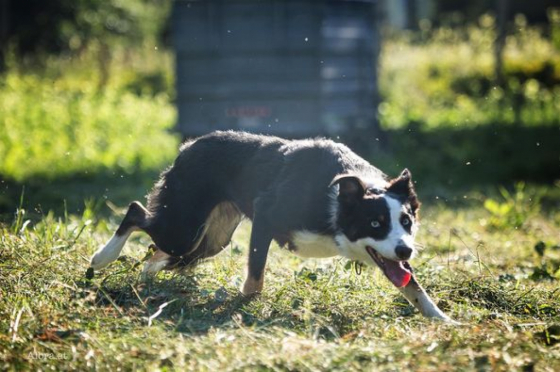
(313, 196)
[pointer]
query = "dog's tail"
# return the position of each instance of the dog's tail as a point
(136, 218)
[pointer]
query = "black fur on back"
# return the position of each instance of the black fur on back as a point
(286, 182)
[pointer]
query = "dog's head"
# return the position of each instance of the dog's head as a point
(379, 225)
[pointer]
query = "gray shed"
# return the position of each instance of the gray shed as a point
(293, 68)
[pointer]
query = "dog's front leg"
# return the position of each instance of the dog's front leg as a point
(258, 252)
(418, 297)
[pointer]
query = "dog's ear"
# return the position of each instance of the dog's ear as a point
(351, 188)
(403, 187)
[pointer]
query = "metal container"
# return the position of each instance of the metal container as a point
(291, 68)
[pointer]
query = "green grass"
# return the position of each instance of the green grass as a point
(314, 314)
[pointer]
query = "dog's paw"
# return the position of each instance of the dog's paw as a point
(249, 296)
(437, 314)
(252, 287)
(453, 322)
(447, 320)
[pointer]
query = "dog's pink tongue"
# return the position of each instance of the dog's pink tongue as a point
(397, 273)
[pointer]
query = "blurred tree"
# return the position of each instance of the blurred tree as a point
(34, 28)
(3, 30)
(502, 8)
(468, 11)
(31, 26)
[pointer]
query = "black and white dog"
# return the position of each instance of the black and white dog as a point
(314, 196)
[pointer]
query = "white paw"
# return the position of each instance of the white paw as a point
(109, 253)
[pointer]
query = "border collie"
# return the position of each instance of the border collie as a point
(315, 196)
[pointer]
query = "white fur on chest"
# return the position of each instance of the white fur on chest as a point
(312, 245)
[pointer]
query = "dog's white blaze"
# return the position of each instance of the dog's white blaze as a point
(311, 245)
(110, 252)
(386, 247)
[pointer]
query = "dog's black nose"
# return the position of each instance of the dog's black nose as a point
(403, 252)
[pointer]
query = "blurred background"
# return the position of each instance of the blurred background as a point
(96, 95)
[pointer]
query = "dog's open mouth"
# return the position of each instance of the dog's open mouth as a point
(398, 272)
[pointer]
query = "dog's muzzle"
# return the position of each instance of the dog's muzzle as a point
(398, 272)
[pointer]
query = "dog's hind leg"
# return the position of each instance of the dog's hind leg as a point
(211, 239)
(219, 228)
(159, 261)
(136, 219)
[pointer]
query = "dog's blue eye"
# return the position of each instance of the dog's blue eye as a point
(405, 221)
(375, 224)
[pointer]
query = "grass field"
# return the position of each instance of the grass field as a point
(491, 263)
(74, 152)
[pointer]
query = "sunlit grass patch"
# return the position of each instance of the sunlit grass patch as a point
(49, 130)
(313, 315)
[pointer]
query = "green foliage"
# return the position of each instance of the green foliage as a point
(445, 77)
(38, 28)
(554, 16)
(514, 209)
(56, 128)
(547, 265)
(115, 21)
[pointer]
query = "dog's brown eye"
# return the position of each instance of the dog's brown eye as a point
(375, 224)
